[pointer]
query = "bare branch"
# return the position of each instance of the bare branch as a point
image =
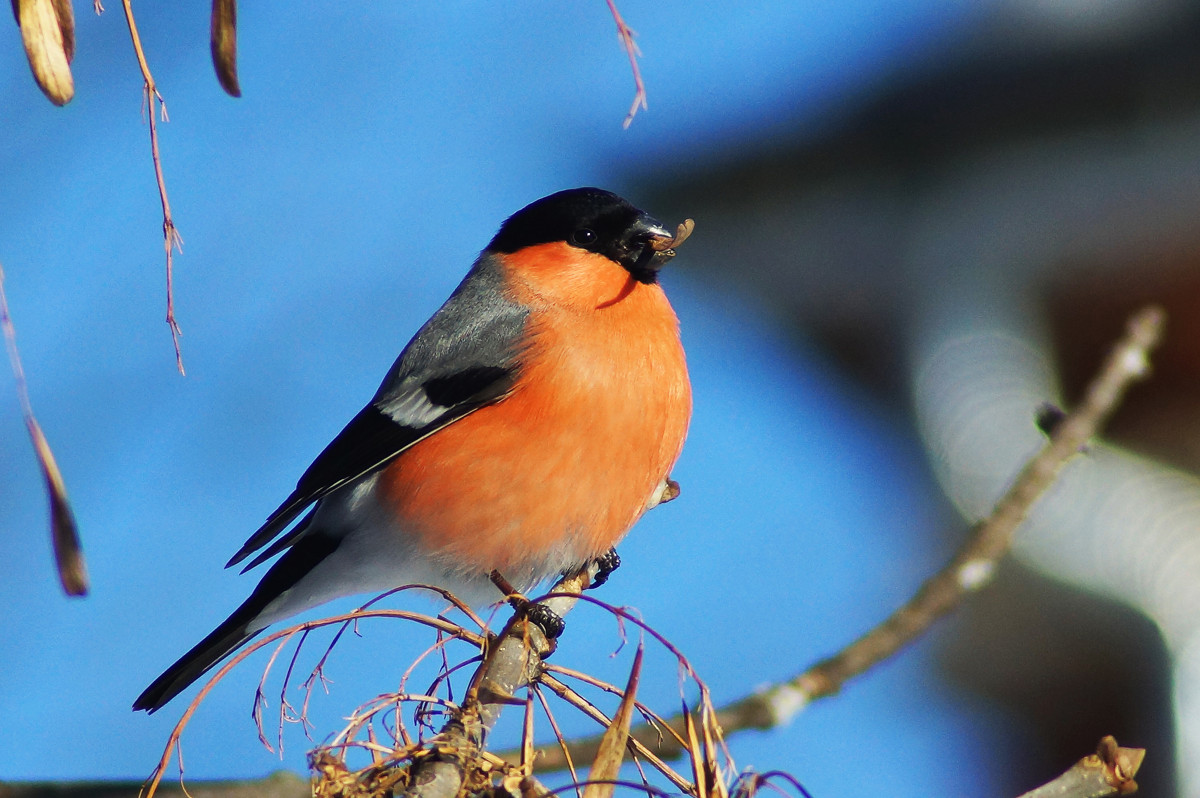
(975, 563)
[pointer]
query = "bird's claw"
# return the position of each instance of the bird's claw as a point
(546, 619)
(606, 563)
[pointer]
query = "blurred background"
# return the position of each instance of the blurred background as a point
(916, 221)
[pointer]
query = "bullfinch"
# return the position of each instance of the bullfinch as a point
(523, 430)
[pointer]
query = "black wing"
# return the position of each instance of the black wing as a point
(466, 356)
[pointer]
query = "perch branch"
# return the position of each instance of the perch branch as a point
(512, 662)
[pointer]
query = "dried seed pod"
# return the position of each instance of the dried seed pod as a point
(48, 33)
(72, 570)
(224, 45)
(682, 232)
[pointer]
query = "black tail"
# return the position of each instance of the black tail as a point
(305, 554)
(194, 664)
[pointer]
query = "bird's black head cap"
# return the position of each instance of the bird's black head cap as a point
(591, 219)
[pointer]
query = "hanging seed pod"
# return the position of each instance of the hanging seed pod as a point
(224, 45)
(48, 33)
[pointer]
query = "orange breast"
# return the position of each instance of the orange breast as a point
(560, 470)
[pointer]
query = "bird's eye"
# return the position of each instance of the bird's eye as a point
(583, 237)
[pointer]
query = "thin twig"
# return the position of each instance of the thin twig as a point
(627, 35)
(171, 238)
(654, 721)
(749, 783)
(586, 707)
(558, 735)
(969, 570)
(527, 733)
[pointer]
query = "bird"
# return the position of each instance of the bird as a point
(524, 429)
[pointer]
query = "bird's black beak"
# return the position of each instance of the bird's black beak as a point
(652, 246)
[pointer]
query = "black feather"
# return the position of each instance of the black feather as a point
(464, 385)
(234, 631)
(466, 357)
(614, 228)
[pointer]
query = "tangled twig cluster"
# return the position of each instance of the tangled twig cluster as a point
(405, 753)
(510, 670)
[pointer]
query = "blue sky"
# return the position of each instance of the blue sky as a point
(325, 215)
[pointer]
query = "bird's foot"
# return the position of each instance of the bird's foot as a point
(546, 619)
(606, 563)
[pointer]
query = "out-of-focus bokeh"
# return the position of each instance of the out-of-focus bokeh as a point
(916, 221)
